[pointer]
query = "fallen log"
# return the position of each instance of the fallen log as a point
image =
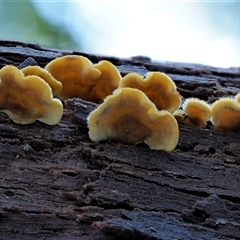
(57, 184)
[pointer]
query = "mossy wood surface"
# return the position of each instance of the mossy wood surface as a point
(57, 184)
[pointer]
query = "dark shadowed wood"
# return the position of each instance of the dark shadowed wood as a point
(57, 184)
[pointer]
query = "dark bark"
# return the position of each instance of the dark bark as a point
(57, 184)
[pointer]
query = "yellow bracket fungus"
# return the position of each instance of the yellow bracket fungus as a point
(55, 85)
(226, 115)
(159, 88)
(195, 113)
(106, 83)
(77, 75)
(26, 99)
(128, 116)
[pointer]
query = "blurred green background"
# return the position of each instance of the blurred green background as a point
(22, 20)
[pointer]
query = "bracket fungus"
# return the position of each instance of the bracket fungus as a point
(106, 83)
(226, 115)
(55, 85)
(159, 88)
(26, 99)
(128, 116)
(77, 75)
(195, 113)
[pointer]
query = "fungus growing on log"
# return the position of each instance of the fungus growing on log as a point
(106, 83)
(26, 99)
(55, 85)
(159, 88)
(195, 113)
(128, 116)
(226, 115)
(77, 75)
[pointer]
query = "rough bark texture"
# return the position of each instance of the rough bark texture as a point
(57, 184)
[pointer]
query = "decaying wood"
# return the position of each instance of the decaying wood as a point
(57, 184)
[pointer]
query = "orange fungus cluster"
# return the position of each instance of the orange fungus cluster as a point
(132, 109)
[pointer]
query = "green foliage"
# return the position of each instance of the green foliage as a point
(21, 21)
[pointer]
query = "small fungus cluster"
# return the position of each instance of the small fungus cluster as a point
(224, 114)
(132, 109)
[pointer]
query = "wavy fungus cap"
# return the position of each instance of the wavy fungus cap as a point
(55, 85)
(129, 117)
(226, 115)
(159, 88)
(106, 83)
(26, 99)
(77, 75)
